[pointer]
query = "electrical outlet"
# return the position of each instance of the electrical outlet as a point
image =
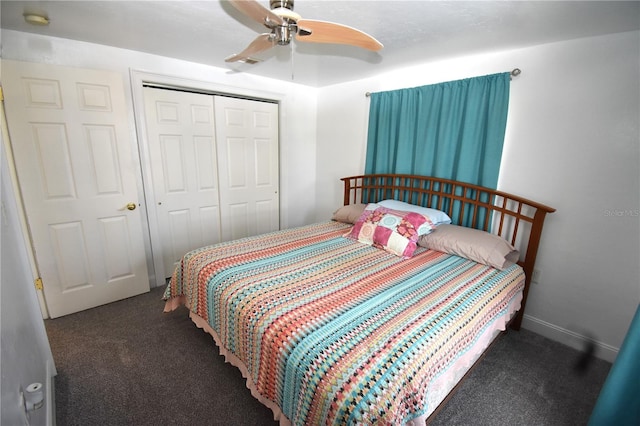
(537, 274)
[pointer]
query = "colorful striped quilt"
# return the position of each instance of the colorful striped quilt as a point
(337, 332)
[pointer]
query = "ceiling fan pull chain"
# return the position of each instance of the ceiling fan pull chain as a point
(291, 61)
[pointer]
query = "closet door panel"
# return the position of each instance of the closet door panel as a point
(214, 166)
(237, 222)
(247, 141)
(183, 157)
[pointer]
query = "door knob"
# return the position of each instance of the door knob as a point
(131, 206)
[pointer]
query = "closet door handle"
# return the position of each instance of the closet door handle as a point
(131, 206)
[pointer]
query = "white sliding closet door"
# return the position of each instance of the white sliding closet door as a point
(247, 139)
(214, 166)
(77, 166)
(182, 152)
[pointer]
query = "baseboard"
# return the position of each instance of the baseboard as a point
(568, 337)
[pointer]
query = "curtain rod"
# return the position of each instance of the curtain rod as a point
(514, 73)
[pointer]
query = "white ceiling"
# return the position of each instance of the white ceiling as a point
(411, 31)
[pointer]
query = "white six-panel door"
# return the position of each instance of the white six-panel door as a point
(77, 170)
(247, 140)
(182, 153)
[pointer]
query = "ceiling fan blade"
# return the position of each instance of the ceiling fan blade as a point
(257, 12)
(261, 43)
(329, 32)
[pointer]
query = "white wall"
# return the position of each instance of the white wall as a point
(25, 353)
(572, 143)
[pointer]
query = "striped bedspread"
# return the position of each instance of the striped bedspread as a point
(336, 332)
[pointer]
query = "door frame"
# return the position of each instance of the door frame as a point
(22, 214)
(139, 79)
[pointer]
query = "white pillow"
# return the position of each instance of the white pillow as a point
(437, 217)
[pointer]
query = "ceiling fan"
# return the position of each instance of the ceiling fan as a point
(284, 23)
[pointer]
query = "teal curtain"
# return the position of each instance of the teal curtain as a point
(453, 130)
(619, 400)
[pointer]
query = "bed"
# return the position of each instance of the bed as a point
(374, 316)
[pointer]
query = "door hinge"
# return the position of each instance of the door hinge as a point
(38, 283)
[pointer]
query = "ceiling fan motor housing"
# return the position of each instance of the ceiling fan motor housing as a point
(282, 35)
(287, 4)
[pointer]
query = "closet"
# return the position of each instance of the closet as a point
(214, 169)
(103, 208)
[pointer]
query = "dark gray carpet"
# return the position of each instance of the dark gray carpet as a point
(128, 363)
(526, 379)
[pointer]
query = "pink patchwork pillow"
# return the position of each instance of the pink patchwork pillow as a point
(391, 230)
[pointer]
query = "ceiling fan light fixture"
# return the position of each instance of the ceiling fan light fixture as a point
(285, 13)
(36, 19)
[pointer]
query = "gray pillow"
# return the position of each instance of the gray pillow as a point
(349, 214)
(473, 244)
